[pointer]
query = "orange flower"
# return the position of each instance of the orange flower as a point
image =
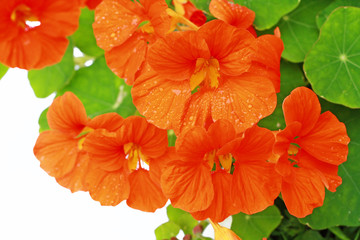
(126, 28)
(310, 148)
(60, 150)
(198, 180)
(188, 10)
(120, 160)
(233, 14)
(198, 77)
(33, 33)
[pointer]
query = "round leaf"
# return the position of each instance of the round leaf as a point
(256, 226)
(184, 219)
(101, 91)
(333, 64)
(167, 230)
(299, 31)
(269, 12)
(323, 15)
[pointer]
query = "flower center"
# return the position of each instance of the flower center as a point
(221, 161)
(24, 18)
(82, 135)
(292, 151)
(134, 156)
(206, 72)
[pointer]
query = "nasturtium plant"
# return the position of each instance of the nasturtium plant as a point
(298, 29)
(332, 66)
(256, 226)
(269, 12)
(205, 103)
(324, 14)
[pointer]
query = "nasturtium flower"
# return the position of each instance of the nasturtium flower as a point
(198, 77)
(33, 33)
(199, 179)
(121, 161)
(233, 14)
(187, 9)
(60, 149)
(125, 29)
(310, 149)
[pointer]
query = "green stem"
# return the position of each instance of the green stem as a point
(337, 232)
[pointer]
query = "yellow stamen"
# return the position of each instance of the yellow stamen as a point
(210, 158)
(147, 28)
(21, 14)
(177, 18)
(293, 150)
(134, 155)
(226, 161)
(205, 70)
(82, 135)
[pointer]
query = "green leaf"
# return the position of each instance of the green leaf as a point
(324, 14)
(3, 70)
(291, 78)
(299, 31)
(256, 226)
(184, 219)
(333, 64)
(167, 230)
(310, 234)
(202, 4)
(43, 123)
(84, 37)
(101, 91)
(50, 79)
(268, 12)
(342, 207)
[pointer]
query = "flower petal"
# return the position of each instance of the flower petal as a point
(116, 21)
(132, 52)
(57, 152)
(174, 56)
(243, 100)
(304, 193)
(75, 180)
(266, 61)
(67, 114)
(221, 206)
(108, 188)
(229, 45)
(162, 102)
(328, 140)
(145, 194)
(231, 13)
(105, 150)
(188, 185)
(302, 105)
